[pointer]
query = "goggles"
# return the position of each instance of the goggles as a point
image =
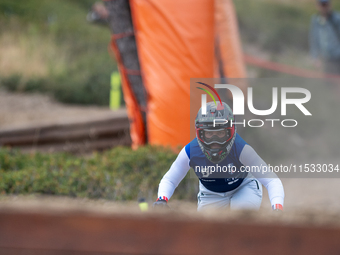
(219, 136)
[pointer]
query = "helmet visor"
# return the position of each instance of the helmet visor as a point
(219, 136)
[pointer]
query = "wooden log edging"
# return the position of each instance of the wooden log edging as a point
(72, 137)
(86, 233)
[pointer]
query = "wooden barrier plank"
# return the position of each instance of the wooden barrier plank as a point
(74, 137)
(68, 126)
(79, 146)
(120, 114)
(60, 135)
(16, 251)
(124, 234)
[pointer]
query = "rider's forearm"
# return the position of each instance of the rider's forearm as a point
(270, 180)
(275, 190)
(174, 176)
(166, 189)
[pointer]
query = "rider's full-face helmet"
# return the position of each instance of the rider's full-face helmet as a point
(215, 132)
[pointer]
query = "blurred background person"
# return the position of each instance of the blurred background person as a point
(98, 14)
(325, 38)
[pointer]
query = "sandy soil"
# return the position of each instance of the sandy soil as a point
(180, 209)
(307, 201)
(23, 110)
(321, 195)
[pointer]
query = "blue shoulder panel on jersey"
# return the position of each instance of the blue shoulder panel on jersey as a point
(187, 150)
(239, 145)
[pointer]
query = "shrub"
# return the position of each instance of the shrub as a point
(117, 174)
(11, 82)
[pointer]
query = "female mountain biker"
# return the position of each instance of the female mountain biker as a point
(220, 158)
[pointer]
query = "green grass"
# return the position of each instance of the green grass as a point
(119, 174)
(49, 46)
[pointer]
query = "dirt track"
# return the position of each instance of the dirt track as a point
(299, 215)
(25, 110)
(18, 110)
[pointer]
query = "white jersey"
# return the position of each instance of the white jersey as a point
(247, 157)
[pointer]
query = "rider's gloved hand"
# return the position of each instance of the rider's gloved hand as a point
(277, 208)
(161, 202)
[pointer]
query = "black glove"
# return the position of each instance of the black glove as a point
(160, 203)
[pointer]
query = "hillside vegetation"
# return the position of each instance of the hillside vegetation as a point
(48, 46)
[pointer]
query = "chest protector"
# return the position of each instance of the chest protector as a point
(222, 177)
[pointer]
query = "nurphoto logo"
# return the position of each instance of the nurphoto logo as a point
(239, 102)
